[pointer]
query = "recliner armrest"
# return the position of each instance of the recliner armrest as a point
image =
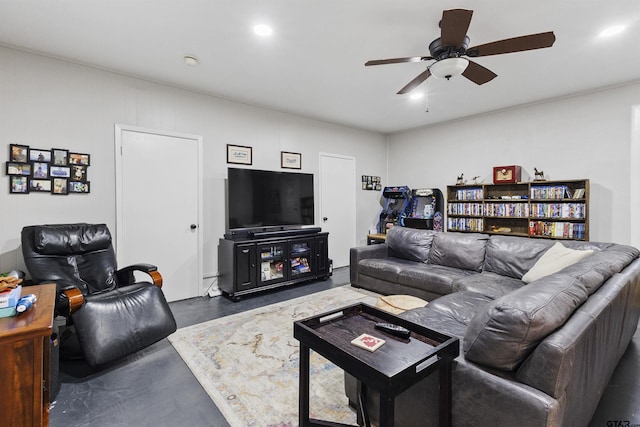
(126, 277)
(68, 301)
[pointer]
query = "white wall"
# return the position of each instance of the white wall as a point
(585, 136)
(50, 103)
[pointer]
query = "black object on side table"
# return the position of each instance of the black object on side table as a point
(394, 367)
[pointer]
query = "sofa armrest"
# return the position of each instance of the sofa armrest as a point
(479, 398)
(482, 397)
(126, 277)
(364, 252)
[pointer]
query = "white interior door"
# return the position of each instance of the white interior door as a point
(338, 205)
(158, 186)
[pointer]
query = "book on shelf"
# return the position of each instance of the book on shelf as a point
(566, 230)
(469, 194)
(578, 193)
(559, 210)
(554, 192)
(506, 209)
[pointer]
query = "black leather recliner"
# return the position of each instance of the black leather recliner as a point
(113, 315)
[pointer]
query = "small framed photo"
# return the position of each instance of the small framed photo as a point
(239, 154)
(38, 155)
(19, 185)
(60, 156)
(59, 172)
(18, 153)
(79, 187)
(40, 170)
(59, 186)
(18, 168)
(290, 160)
(78, 173)
(40, 185)
(79, 159)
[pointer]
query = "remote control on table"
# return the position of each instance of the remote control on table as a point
(392, 329)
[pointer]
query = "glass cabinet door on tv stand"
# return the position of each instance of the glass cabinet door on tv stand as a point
(301, 257)
(272, 258)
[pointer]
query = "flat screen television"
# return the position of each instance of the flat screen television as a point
(260, 198)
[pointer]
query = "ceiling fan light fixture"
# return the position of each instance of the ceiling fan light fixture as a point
(449, 67)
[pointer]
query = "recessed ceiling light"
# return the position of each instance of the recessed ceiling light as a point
(190, 60)
(612, 31)
(263, 30)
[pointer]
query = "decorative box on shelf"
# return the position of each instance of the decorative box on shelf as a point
(507, 174)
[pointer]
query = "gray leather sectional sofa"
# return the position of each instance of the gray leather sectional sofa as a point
(532, 354)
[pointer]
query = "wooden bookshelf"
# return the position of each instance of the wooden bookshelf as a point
(541, 209)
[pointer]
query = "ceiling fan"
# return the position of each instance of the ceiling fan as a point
(450, 49)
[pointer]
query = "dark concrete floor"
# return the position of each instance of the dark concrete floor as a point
(155, 388)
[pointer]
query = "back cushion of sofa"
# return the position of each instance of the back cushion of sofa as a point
(409, 243)
(504, 332)
(594, 270)
(459, 250)
(513, 256)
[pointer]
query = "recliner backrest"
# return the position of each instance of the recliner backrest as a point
(71, 254)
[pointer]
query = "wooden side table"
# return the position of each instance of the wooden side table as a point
(393, 368)
(24, 361)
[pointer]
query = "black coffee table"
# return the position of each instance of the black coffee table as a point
(391, 369)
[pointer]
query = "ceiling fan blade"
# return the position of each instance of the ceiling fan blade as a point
(415, 82)
(454, 26)
(478, 74)
(397, 60)
(516, 44)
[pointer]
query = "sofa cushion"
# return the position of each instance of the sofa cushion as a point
(449, 314)
(504, 332)
(593, 271)
(553, 260)
(386, 268)
(513, 256)
(409, 243)
(459, 250)
(433, 278)
(487, 283)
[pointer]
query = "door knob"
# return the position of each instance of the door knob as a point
(324, 218)
(193, 226)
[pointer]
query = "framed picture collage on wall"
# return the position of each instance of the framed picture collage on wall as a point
(55, 171)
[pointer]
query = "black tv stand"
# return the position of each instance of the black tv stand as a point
(256, 260)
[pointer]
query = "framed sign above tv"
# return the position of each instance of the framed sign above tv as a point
(290, 160)
(239, 154)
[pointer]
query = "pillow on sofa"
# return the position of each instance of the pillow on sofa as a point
(409, 243)
(397, 304)
(554, 260)
(503, 333)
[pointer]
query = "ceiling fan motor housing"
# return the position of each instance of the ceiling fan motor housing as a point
(439, 52)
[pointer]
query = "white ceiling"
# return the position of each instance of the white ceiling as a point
(313, 64)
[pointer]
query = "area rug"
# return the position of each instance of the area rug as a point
(248, 362)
